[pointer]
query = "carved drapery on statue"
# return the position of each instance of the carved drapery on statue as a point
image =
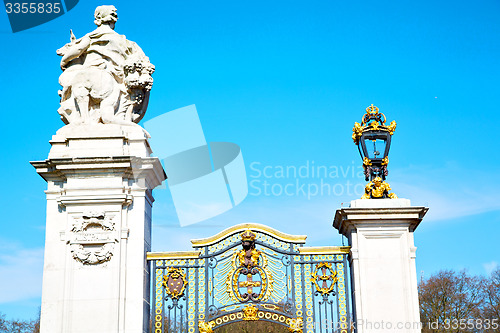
(106, 78)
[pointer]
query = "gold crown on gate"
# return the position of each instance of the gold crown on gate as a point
(248, 235)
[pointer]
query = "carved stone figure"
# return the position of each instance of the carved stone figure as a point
(106, 78)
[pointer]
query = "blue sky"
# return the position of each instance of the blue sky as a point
(285, 80)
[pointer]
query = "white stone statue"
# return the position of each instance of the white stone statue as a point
(106, 78)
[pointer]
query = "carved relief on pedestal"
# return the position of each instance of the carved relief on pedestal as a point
(92, 237)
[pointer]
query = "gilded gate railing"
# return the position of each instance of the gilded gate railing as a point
(251, 272)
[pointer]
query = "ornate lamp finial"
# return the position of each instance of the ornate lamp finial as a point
(372, 109)
(373, 138)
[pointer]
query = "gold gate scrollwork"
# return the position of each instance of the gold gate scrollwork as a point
(296, 325)
(250, 272)
(323, 277)
(174, 282)
(252, 265)
(250, 313)
(205, 327)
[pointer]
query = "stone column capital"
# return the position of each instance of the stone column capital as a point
(378, 213)
(60, 169)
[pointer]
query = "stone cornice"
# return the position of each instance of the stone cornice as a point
(349, 218)
(59, 169)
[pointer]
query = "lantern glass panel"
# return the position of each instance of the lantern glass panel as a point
(375, 147)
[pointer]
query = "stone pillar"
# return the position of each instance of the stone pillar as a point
(99, 199)
(382, 259)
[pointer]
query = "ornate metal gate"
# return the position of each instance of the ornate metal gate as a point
(251, 272)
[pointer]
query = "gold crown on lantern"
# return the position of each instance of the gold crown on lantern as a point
(372, 120)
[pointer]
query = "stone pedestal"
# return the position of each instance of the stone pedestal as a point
(382, 259)
(99, 200)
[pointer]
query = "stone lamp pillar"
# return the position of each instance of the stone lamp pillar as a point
(382, 259)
